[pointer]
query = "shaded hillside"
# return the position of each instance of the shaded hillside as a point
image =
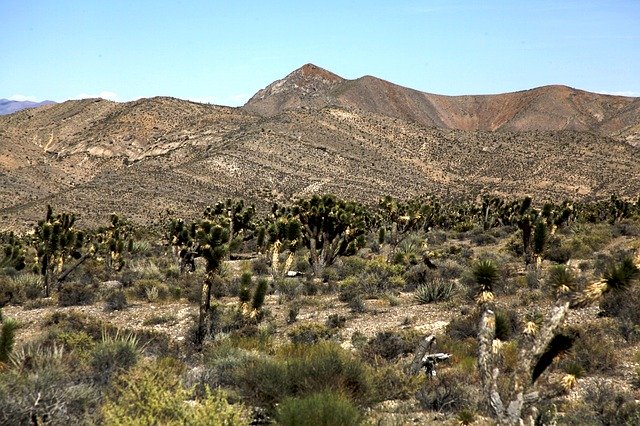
(141, 158)
(542, 108)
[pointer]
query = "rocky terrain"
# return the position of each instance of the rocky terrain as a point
(313, 132)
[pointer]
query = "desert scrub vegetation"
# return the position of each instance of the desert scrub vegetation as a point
(316, 309)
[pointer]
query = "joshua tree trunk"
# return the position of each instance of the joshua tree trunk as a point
(205, 299)
(314, 258)
(521, 395)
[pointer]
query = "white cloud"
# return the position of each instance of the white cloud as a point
(111, 96)
(22, 98)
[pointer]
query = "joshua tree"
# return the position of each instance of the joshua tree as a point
(251, 306)
(112, 242)
(281, 235)
(14, 253)
(56, 242)
(406, 217)
(539, 346)
(238, 218)
(207, 239)
(330, 228)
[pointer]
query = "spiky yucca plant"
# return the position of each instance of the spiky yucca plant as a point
(485, 273)
(616, 278)
(561, 279)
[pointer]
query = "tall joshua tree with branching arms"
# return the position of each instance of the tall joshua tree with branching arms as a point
(208, 239)
(330, 228)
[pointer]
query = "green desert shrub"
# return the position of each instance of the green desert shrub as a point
(418, 275)
(387, 345)
(10, 292)
(289, 289)
(325, 408)
(307, 334)
(76, 294)
(561, 279)
(507, 324)
(350, 266)
(464, 326)
(153, 394)
(557, 250)
(115, 300)
(604, 403)
(449, 391)
(437, 290)
(113, 354)
(595, 350)
(7, 337)
(377, 279)
(301, 370)
(31, 285)
(46, 375)
(151, 290)
(335, 321)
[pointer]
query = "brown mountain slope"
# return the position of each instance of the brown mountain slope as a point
(141, 158)
(543, 108)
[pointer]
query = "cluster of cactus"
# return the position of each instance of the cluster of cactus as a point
(282, 234)
(56, 241)
(14, 253)
(404, 217)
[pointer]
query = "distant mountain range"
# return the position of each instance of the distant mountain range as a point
(313, 132)
(9, 107)
(543, 108)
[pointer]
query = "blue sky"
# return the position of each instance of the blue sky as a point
(224, 51)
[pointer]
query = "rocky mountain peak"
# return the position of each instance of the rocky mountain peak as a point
(309, 85)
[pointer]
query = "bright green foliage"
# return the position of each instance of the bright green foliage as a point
(319, 409)
(540, 236)
(56, 241)
(245, 288)
(436, 290)
(301, 370)
(7, 338)
(14, 253)
(153, 395)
